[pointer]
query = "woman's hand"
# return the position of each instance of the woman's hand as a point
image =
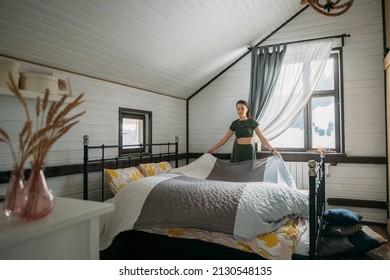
(276, 153)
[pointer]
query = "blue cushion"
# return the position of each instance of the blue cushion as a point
(341, 217)
(338, 231)
(362, 243)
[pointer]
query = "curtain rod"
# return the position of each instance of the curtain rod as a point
(342, 36)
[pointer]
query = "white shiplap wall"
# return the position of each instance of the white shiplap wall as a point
(102, 100)
(213, 109)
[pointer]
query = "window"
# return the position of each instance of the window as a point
(319, 123)
(135, 127)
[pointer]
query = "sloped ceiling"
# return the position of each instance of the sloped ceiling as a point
(172, 47)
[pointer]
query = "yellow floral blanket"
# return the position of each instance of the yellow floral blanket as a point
(277, 245)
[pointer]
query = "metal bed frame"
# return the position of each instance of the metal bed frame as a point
(116, 162)
(316, 181)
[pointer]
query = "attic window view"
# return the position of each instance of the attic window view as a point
(134, 130)
(318, 124)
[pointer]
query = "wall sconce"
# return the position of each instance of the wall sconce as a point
(330, 8)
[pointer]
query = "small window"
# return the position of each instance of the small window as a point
(135, 128)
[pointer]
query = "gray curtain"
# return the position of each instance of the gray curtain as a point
(265, 69)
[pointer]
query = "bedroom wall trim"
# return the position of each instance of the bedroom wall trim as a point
(71, 169)
(304, 157)
(357, 203)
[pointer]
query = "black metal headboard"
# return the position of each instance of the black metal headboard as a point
(142, 156)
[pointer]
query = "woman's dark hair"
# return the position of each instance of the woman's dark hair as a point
(243, 102)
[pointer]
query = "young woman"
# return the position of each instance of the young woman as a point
(243, 127)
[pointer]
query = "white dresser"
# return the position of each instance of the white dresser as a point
(69, 232)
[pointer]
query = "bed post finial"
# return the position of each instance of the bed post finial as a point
(85, 138)
(312, 167)
(322, 155)
(176, 138)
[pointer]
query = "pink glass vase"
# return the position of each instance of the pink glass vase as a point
(40, 199)
(15, 198)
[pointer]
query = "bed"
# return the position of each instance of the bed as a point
(208, 209)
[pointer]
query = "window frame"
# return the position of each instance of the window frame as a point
(146, 116)
(337, 93)
(325, 93)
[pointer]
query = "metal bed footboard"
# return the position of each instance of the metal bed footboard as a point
(317, 203)
(141, 156)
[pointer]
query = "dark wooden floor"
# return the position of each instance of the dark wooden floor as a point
(380, 253)
(382, 230)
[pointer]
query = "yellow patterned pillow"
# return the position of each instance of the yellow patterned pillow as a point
(150, 169)
(165, 166)
(117, 178)
(133, 174)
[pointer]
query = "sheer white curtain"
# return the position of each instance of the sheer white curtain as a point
(302, 67)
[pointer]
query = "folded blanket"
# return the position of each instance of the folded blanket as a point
(272, 169)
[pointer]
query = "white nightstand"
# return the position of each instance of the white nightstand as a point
(70, 232)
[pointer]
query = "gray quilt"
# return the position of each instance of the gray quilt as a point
(243, 209)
